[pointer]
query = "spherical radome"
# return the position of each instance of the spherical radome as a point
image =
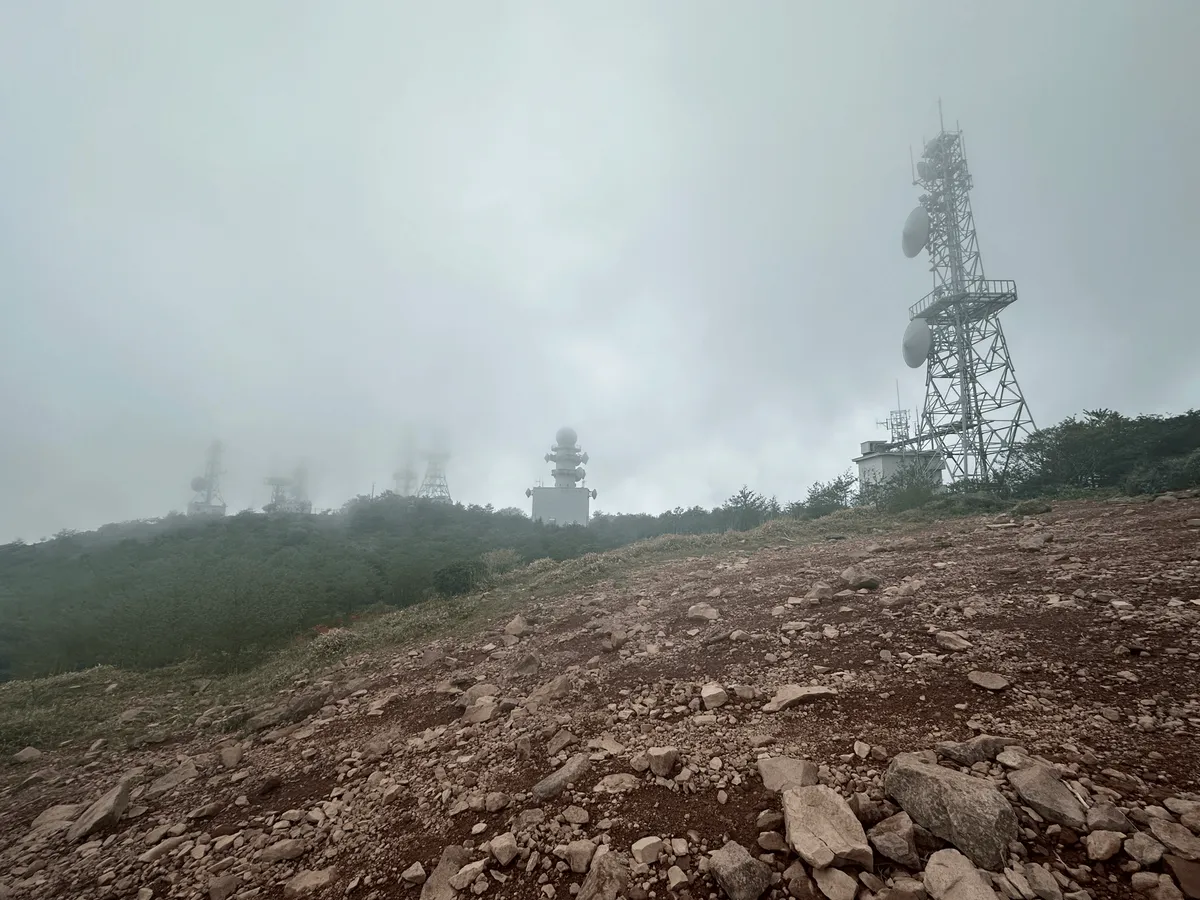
(918, 341)
(199, 483)
(566, 437)
(915, 235)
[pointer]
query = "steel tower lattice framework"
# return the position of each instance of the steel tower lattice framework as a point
(974, 414)
(433, 486)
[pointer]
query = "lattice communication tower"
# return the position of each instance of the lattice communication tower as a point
(289, 495)
(975, 414)
(207, 487)
(433, 485)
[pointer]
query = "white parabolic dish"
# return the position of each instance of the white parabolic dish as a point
(918, 341)
(916, 232)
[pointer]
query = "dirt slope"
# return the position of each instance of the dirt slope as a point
(1071, 635)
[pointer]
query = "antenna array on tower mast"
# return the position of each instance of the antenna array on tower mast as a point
(975, 414)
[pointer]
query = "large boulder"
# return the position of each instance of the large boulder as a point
(822, 828)
(968, 812)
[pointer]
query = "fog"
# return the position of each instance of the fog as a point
(675, 226)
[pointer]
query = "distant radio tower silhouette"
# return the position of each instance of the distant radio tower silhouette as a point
(406, 475)
(433, 486)
(207, 487)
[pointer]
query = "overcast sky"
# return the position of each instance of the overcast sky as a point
(672, 224)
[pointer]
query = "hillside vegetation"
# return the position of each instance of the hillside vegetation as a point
(224, 593)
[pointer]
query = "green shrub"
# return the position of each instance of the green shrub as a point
(458, 578)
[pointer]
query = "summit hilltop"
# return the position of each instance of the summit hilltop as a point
(1001, 706)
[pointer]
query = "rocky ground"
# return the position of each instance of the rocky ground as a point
(999, 707)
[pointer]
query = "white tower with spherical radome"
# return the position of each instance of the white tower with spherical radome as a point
(567, 502)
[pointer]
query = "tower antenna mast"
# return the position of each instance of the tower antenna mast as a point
(433, 485)
(974, 414)
(207, 487)
(566, 503)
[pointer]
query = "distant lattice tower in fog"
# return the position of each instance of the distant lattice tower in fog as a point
(433, 485)
(566, 503)
(406, 476)
(975, 415)
(289, 495)
(207, 487)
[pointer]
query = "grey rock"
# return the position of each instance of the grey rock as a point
(1041, 788)
(981, 748)
(28, 755)
(951, 876)
(857, 577)
(104, 813)
(555, 689)
(969, 813)
(223, 887)
(518, 627)
(794, 694)
(556, 782)
(285, 850)
(576, 815)
(823, 830)
(663, 760)
(988, 680)
(1143, 848)
(579, 856)
(894, 839)
(414, 874)
(782, 772)
(185, 771)
(1033, 542)
(467, 875)
(1102, 845)
(310, 882)
(1177, 839)
(835, 884)
(504, 848)
(617, 783)
(64, 812)
(948, 640)
(1186, 873)
(799, 885)
(437, 887)
(1042, 883)
(607, 880)
(1104, 816)
(739, 875)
